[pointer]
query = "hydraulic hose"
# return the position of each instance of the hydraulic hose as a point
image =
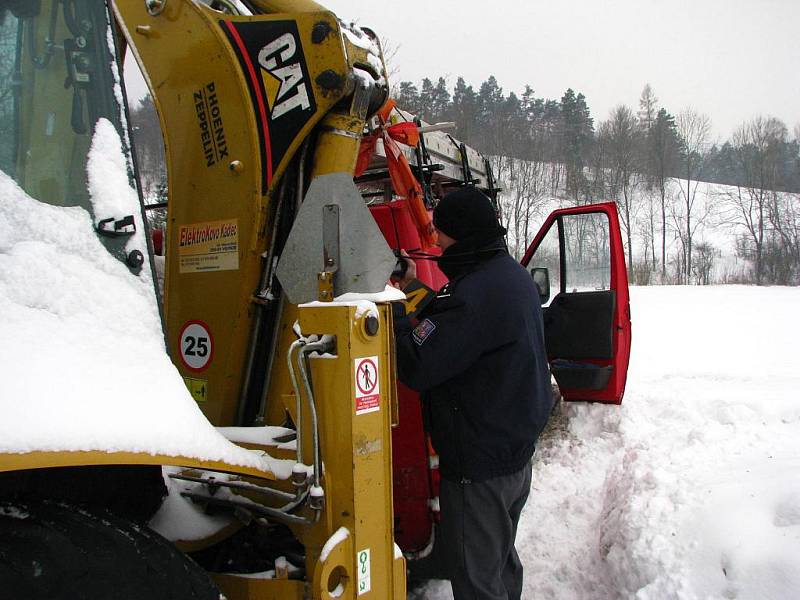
(302, 363)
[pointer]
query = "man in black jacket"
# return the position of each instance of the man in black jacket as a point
(477, 355)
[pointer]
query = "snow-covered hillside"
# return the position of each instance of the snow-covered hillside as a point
(718, 216)
(691, 488)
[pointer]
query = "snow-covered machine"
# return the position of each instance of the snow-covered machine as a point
(249, 413)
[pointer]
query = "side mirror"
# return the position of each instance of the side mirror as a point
(541, 277)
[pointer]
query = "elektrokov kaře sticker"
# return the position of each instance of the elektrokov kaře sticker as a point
(211, 246)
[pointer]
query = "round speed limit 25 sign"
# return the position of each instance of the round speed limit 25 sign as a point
(196, 345)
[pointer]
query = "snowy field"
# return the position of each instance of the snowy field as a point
(690, 489)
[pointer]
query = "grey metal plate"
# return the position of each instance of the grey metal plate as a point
(365, 259)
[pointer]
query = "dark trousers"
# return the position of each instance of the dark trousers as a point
(478, 528)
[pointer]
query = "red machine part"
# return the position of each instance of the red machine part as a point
(416, 474)
(157, 236)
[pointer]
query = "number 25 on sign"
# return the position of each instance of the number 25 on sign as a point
(196, 345)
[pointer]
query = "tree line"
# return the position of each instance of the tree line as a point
(649, 160)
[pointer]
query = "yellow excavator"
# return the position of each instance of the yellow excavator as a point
(264, 449)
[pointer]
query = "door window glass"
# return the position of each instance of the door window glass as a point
(587, 254)
(576, 253)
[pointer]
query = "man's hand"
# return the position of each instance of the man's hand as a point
(410, 273)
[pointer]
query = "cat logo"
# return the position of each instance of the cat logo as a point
(271, 57)
(283, 76)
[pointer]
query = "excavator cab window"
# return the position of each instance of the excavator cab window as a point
(9, 32)
(57, 81)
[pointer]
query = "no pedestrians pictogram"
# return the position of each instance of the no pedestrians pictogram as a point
(367, 376)
(367, 390)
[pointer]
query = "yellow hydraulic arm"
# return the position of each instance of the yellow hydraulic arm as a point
(257, 111)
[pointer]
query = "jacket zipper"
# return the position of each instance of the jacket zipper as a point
(459, 450)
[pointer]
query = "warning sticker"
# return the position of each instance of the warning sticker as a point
(197, 387)
(212, 246)
(368, 394)
(364, 574)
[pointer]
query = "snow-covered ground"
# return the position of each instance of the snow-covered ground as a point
(691, 488)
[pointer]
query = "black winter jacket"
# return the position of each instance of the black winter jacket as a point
(477, 355)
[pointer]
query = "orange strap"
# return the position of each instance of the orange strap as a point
(404, 183)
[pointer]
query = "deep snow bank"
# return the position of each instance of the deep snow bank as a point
(702, 501)
(81, 349)
(690, 489)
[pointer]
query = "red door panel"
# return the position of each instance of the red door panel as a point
(587, 312)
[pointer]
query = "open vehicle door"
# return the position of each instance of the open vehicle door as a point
(578, 263)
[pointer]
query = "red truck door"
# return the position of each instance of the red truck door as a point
(578, 262)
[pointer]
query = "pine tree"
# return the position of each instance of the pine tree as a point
(528, 103)
(464, 110)
(407, 97)
(489, 104)
(426, 109)
(511, 135)
(576, 133)
(440, 101)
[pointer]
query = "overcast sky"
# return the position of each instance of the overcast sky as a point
(732, 59)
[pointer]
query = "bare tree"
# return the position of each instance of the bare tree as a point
(694, 129)
(390, 49)
(621, 142)
(648, 108)
(598, 162)
(526, 185)
(758, 150)
(784, 218)
(703, 268)
(646, 225)
(703, 213)
(149, 146)
(8, 41)
(662, 158)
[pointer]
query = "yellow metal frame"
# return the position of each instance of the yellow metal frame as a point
(355, 448)
(356, 451)
(44, 460)
(182, 50)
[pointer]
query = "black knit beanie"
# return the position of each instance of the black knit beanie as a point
(467, 214)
